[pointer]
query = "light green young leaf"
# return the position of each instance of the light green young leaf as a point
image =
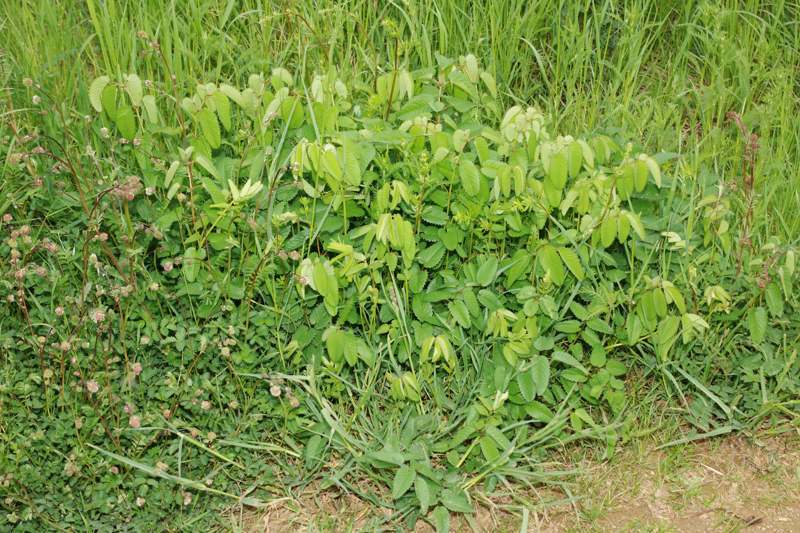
(470, 177)
(96, 92)
(552, 264)
(655, 171)
(572, 261)
(210, 127)
(150, 108)
(487, 271)
(133, 86)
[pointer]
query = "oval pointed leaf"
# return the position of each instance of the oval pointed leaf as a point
(487, 271)
(424, 493)
(608, 231)
(558, 170)
(210, 127)
(757, 320)
(460, 312)
(572, 261)
(403, 479)
(126, 122)
(96, 92)
(456, 500)
(551, 262)
(470, 177)
(133, 86)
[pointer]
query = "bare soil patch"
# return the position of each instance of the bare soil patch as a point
(727, 484)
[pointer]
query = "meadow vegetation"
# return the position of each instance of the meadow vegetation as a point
(400, 250)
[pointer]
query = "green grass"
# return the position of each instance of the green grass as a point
(664, 74)
(678, 67)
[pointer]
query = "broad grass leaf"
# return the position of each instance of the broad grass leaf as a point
(403, 479)
(96, 92)
(313, 451)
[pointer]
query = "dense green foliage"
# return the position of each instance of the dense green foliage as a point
(222, 286)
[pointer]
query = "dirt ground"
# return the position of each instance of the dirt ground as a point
(725, 484)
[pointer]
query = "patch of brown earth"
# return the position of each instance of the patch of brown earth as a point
(731, 484)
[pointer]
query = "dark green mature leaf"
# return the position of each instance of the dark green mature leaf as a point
(126, 122)
(757, 320)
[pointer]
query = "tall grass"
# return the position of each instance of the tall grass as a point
(677, 66)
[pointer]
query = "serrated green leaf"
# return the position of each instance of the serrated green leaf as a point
(572, 261)
(424, 493)
(487, 271)
(459, 311)
(654, 169)
(456, 500)
(441, 519)
(403, 479)
(608, 230)
(470, 177)
(540, 373)
(210, 127)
